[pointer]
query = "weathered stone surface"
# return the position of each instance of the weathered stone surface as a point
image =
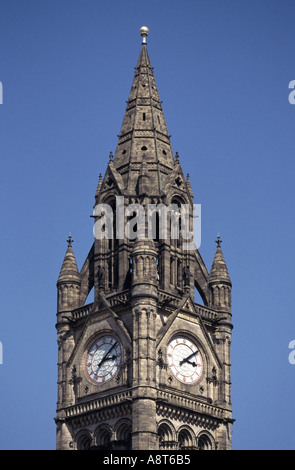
(169, 387)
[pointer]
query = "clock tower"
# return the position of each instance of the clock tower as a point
(144, 367)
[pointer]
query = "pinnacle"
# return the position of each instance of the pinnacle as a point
(69, 270)
(219, 272)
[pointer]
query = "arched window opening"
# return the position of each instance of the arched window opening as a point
(110, 249)
(204, 442)
(129, 274)
(103, 439)
(123, 433)
(157, 231)
(179, 273)
(110, 273)
(84, 441)
(172, 270)
(113, 241)
(185, 440)
(165, 434)
(175, 226)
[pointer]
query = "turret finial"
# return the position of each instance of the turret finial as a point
(70, 240)
(218, 241)
(144, 31)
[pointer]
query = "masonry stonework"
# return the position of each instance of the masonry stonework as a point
(144, 366)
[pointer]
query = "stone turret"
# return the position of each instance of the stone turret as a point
(68, 298)
(220, 299)
(219, 282)
(69, 281)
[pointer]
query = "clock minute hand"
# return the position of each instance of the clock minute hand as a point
(106, 355)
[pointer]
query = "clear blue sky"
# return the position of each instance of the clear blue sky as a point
(222, 68)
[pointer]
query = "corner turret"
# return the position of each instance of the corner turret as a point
(69, 281)
(219, 282)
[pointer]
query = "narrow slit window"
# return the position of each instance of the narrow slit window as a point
(143, 116)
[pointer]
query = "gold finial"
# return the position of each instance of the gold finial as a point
(144, 31)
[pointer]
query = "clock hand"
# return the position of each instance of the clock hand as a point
(106, 355)
(186, 359)
(192, 363)
(112, 358)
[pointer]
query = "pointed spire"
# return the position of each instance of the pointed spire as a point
(144, 129)
(189, 186)
(99, 184)
(219, 272)
(69, 270)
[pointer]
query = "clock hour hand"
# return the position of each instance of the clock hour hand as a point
(192, 363)
(112, 358)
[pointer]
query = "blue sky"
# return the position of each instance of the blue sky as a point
(222, 68)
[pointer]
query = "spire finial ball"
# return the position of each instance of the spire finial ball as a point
(144, 31)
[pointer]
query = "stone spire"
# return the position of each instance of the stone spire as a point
(69, 270)
(69, 281)
(219, 282)
(144, 133)
(219, 272)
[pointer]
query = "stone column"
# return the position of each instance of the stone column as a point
(144, 295)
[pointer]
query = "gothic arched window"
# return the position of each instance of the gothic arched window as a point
(111, 248)
(175, 221)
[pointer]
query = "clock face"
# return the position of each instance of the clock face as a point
(103, 359)
(185, 360)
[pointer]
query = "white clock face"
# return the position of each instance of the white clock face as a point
(185, 360)
(103, 359)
